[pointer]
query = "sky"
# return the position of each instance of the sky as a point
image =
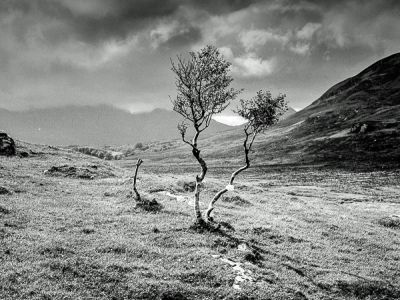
(74, 52)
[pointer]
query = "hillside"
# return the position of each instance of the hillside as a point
(356, 123)
(93, 125)
(372, 95)
(69, 229)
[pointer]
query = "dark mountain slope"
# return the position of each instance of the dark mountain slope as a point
(372, 95)
(355, 123)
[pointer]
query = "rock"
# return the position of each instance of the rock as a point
(363, 128)
(243, 247)
(7, 145)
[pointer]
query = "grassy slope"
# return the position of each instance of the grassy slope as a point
(301, 233)
(320, 133)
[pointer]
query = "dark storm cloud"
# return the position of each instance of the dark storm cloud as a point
(55, 52)
(222, 6)
(94, 21)
(105, 19)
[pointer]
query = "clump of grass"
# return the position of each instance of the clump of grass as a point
(391, 222)
(237, 200)
(368, 290)
(4, 191)
(88, 230)
(204, 227)
(227, 226)
(171, 295)
(185, 186)
(149, 205)
(84, 172)
(55, 251)
(116, 249)
(224, 245)
(4, 210)
(253, 257)
(260, 230)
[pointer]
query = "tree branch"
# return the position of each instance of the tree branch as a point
(138, 163)
(233, 176)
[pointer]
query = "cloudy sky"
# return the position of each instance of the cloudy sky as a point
(59, 52)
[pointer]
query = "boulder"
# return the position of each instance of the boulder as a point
(7, 145)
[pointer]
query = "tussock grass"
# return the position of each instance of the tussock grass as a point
(72, 238)
(391, 222)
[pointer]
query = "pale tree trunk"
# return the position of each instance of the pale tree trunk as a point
(199, 180)
(234, 174)
(203, 165)
(138, 163)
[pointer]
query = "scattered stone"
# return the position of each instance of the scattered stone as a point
(243, 275)
(7, 145)
(236, 287)
(156, 230)
(243, 247)
(228, 261)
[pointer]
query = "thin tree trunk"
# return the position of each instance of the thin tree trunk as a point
(138, 163)
(234, 174)
(223, 191)
(199, 180)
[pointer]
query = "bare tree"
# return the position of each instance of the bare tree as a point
(138, 163)
(203, 90)
(261, 111)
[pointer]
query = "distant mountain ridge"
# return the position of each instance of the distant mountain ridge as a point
(93, 125)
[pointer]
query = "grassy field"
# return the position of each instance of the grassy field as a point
(69, 229)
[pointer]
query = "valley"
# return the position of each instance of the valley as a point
(288, 233)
